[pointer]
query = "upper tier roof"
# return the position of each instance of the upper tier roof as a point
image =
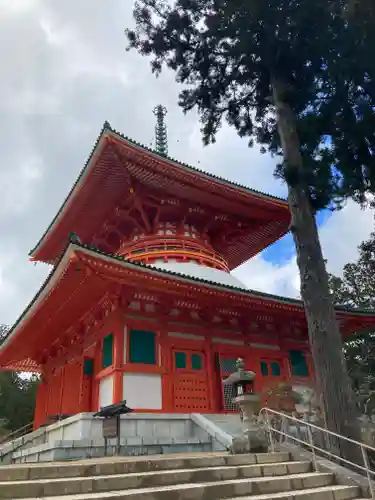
(116, 163)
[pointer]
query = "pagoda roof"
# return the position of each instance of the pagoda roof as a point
(116, 162)
(84, 275)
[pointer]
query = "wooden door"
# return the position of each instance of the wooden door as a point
(190, 384)
(270, 375)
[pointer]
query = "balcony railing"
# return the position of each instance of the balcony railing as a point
(172, 248)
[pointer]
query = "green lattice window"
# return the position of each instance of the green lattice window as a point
(180, 360)
(264, 368)
(88, 367)
(107, 351)
(142, 347)
(275, 369)
(298, 364)
(228, 365)
(196, 362)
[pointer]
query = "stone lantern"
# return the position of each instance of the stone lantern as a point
(243, 384)
(241, 380)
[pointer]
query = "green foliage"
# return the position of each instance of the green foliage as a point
(362, 14)
(357, 286)
(17, 400)
(17, 397)
(228, 53)
(360, 357)
(357, 289)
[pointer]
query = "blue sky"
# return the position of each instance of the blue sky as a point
(283, 250)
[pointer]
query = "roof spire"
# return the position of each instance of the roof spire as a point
(161, 139)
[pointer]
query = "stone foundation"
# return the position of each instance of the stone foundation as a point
(81, 436)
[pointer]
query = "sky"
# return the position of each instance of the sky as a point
(64, 72)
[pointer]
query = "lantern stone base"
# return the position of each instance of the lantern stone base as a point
(254, 439)
(254, 442)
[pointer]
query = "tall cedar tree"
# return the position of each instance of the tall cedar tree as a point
(291, 75)
(356, 288)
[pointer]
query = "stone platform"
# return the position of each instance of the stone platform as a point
(81, 436)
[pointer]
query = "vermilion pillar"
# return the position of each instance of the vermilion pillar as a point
(212, 383)
(118, 359)
(40, 406)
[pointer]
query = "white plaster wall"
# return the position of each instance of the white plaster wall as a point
(200, 271)
(142, 391)
(106, 391)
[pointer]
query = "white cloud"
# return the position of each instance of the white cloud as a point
(230, 157)
(340, 236)
(17, 8)
(343, 232)
(268, 277)
(64, 75)
(18, 187)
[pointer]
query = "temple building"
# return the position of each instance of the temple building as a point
(141, 304)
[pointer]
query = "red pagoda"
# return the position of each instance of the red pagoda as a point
(140, 303)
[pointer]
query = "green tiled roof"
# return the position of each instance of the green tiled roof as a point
(107, 128)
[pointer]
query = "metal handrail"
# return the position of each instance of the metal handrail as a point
(266, 412)
(25, 429)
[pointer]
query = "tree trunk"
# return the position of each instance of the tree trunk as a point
(333, 381)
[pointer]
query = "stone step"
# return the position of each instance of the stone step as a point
(230, 424)
(333, 492)
(123, 465)
(212, 490)
(116, 482)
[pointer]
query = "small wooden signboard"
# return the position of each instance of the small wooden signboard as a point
(111, 427)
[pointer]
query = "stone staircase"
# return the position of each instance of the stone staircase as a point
(203, 476)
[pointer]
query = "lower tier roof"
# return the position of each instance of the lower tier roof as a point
(85, 282)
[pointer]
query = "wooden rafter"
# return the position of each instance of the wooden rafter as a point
(126, 215)
(120, 160)
(138, 205)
